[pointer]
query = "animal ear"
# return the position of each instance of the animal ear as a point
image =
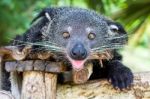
(40, 25)
(117, 30)
(116, 27)
(45, 14)
(42, 21)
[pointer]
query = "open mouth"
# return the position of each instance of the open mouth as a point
(77, 64)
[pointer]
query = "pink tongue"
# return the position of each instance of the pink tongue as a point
(77, 64)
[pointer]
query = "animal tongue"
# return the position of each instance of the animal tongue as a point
(77, 64)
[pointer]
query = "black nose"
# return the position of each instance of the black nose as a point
(78, 52)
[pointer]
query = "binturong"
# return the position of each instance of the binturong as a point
(78, 34)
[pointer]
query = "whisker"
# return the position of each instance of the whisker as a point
(49, 49)
(35, 43)
(45, 49)
(39, 48)
(46, 45)
(39, 44)
(118, 37)
(107, 47)
(54, 51)
(52, 43)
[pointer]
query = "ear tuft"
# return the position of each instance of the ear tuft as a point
(48, 16)
(114, 27)
(44, 13)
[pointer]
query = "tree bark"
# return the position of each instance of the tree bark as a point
(101, 89)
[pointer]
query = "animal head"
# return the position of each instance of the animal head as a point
(78, 33)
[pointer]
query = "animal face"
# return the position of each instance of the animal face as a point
(81, 33)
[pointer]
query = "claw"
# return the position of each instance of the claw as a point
(121, 80)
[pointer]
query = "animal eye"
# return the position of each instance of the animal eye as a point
(91, 36)
(66, 35)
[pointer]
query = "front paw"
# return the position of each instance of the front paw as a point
(121, 77)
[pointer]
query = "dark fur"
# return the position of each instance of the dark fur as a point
(119, 75)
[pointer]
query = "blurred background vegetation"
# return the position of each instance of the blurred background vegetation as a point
(134, 15)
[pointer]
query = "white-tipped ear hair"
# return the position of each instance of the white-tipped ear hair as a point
(48, 16)
(114, 27)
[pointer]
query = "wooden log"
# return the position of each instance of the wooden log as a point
(102, 89)
(33, 85)
(6, 95)
(77, 76)
(81, 76)
(39, 85)
(13, 52)
(16, 84)
(50, 85)
(55, 67)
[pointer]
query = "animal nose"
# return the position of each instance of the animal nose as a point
(78, 52)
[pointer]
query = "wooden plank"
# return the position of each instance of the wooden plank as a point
(29, 65)
(102, 89)
(55, 67)
(37, 65)
(10, 66)
(20, 66)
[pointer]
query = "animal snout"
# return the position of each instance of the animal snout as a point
(78, 52)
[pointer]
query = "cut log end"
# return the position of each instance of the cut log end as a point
(80, 76)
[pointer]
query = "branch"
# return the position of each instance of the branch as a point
(101, 89)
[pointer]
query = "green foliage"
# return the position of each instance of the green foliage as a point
(16, 15)
(136, 18)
